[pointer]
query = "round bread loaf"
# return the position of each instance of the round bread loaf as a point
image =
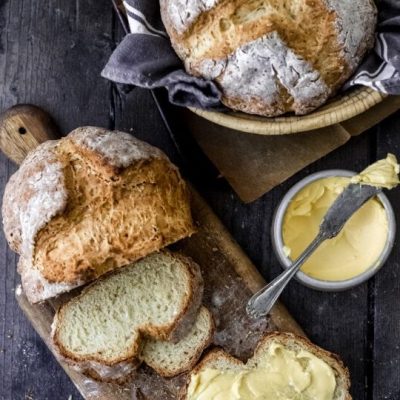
(90, 203)
(270, 57)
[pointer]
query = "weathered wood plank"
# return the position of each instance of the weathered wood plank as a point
(51, 54)
(386, 286)
(229, 279)
(336, 321)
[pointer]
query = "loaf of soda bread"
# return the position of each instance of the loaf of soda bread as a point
(270, 57)
(89, 203)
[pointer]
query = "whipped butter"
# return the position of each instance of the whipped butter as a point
(361, 242)
(280, 374)
(384, 173)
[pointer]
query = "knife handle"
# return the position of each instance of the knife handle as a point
(22, 128)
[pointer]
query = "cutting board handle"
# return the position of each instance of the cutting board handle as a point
(22, 128)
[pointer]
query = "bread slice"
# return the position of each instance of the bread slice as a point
(157, 297)
(218, 359)
(166, 358)
(169, 359)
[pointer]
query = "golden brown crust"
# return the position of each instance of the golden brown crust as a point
(311, 47)
(194, 358)
(90, 203)
(256, 105)
(114, 216)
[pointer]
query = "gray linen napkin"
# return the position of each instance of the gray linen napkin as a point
(145, 58)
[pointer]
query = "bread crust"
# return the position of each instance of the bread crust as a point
(124, 371)
(50, 218)
(194, 358)
(186, 318)
(28, 188)
(118, 368)
(285, 338)
(119, 373)
(252, 49)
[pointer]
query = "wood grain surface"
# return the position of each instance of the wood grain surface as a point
(229, 280)
(51, 54)
(229, 277)
(22, 128)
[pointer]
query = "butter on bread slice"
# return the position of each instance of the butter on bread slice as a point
(283, 366)
(103, 332)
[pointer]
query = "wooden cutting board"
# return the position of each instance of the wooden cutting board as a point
(230, 279)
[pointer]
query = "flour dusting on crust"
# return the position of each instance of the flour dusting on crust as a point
(37, 193)
(33, 196)
(259, 69)
(270, 57)
(183, 13)
(36, 286)
(120, 149)
(354, 27)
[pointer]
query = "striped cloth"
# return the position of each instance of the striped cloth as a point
(145, 58)
(381, 69)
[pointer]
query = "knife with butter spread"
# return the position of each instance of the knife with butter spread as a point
(318, 217)
(361, 241)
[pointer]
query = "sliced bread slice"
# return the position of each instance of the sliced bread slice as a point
(157, 297)
(169, 359)
(166, 358)
(270, 372)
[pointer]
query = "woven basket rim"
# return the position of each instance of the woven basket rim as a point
(339, 109)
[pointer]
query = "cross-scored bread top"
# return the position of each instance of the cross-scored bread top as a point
(89, 203)
(271, 56)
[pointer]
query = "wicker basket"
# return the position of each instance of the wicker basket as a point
(339, 109)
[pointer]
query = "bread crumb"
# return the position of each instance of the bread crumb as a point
(18, 290)
(29, 395)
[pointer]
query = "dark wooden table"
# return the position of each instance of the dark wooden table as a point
(51, 54)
